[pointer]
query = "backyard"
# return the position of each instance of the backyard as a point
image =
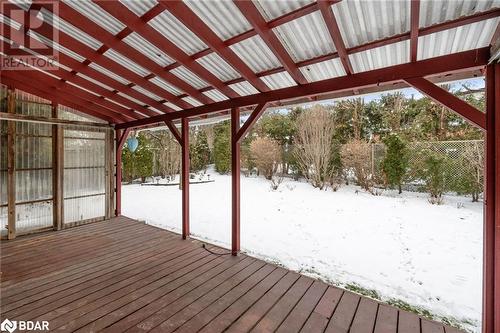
(395, 247)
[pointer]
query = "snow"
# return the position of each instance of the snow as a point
(399, 245)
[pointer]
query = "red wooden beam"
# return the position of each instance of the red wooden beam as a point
(457, 62)
(122, 13)
(414, 25)
(96, 75)
(174, 131)
(112, 42)
(449, 100)
(185, 177)
(252, 14)
(491, 243)
(252, 119)
(71, 43)
(333, 29)
(80, 81)
(184, 14)
(120, 141)
(45, 93)
(235, 182)
(110, 108)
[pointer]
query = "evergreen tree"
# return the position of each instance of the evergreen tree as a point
(395, 163)
(199, 152)
(138, 164)
(222, 147)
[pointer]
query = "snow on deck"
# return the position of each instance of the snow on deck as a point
(399, 245)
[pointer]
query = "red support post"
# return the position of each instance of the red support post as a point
(235, 181)
(491, 241)
(185, 177)
(120, 141)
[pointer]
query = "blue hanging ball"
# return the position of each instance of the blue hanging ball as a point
(132, 144)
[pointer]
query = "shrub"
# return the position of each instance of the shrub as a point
(138, 164)
(222, 147)
(199, 152)
(395, 163)
(313, 149)
(356, 158)
(266, 154)
(470, 168)
(434, 171)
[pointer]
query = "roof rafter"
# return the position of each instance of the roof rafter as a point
(52, 94)
(252, 14)
(414, 25)
(122, 13)
(456, 62)
(116, 43)
(184, 14)
(91, 99)
(71, 43)
(333, 29)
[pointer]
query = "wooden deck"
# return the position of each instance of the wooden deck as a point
(122, 275)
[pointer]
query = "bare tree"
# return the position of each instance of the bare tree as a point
(356, 158)
(266, 154)
(168, 153)
(314, 141)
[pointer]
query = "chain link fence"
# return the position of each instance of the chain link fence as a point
(456, 152)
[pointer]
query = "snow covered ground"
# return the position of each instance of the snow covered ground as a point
(398, 245)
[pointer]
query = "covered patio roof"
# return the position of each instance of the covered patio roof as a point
(135, 63)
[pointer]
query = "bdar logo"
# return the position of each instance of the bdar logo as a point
(8, 325)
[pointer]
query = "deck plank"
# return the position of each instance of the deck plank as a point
(122, 275)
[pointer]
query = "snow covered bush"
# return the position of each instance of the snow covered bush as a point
(313, 146)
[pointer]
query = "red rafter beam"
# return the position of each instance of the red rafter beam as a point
(71, 43)
(439, 65)
(68, 76)
(448, 100)
(123, 14)
(184, 14)
(333, 29)
(113, 42)
(252, 14)
(414, 25)
(254, 116)
(52, 95)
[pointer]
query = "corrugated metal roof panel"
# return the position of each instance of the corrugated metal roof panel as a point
(364, 21)
(467, 37)
(219, 67)
(192, 101)
(148, 49)
(173, 29)
(278, 80)
(126, 62)
(215, 95)
(24, 4)
(271, 9)
(256, 54)
(55, 45)
(167, 86)
(172, 106)
(69, 29)
(147, 93)
(139, 7)
(388, 55)
(223, 17)
(244, 88)
(131, 98)
(323, 70)
(104, 71)
(97, 14)
(95, 81)
(306, 37)
(185, 74)
(8, 21)
(432, 12)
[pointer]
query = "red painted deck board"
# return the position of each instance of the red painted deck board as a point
(122, 275)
